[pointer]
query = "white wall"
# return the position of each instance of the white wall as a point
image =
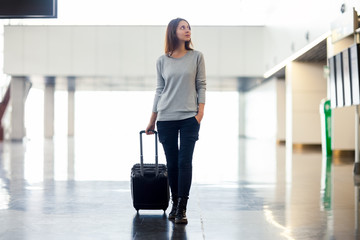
(280, 110)
(81, 50)
(231, 51)
(125, 51)
(260, 111)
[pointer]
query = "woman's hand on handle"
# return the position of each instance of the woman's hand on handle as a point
(150, 129)
(151, 126)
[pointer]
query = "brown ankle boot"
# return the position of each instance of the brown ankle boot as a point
(172, 213)
(181, 211)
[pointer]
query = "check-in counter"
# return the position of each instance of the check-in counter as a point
(344, 77)
(354, 69)
(339, 80)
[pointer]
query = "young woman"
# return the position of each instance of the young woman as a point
(178, 109)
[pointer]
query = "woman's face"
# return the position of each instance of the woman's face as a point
(183, 31)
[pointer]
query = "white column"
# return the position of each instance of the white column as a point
(49, 160)
(71, 159)
(241, 114)
(17, 103)
(71, 106)
(49, 112)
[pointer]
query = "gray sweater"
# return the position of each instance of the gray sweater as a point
(181, 86)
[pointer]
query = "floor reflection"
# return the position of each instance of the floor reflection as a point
(178, 232)
(39, 183)
(326, 182)
(15, 167)
(79, 188)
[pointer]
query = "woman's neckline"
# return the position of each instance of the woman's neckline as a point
(179, 57)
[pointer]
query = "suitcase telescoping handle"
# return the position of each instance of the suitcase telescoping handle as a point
(142, 157)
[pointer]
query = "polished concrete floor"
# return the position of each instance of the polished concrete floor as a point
(49, 192)
(78, 188)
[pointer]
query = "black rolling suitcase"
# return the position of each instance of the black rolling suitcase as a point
(149, 182)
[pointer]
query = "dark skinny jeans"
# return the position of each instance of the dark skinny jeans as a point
(179, 158)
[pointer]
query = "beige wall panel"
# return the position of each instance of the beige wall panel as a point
(306, 128)
(84, 51)
(309, 77)
(132, 51)
(14, 50)
(59, 40)
(125, 51)
(231, 53)
(253, 51)
(344, 128)
(306, 87)
(155, 44)
(35, 50)
(207, 40)
(307, 101)
(108, 51)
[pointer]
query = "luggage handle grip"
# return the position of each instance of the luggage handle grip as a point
(142, 157)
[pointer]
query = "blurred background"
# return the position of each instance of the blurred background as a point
(78, 78)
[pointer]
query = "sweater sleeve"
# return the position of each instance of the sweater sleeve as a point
(201, 79)
(159, 85)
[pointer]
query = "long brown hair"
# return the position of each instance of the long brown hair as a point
(171, 40)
